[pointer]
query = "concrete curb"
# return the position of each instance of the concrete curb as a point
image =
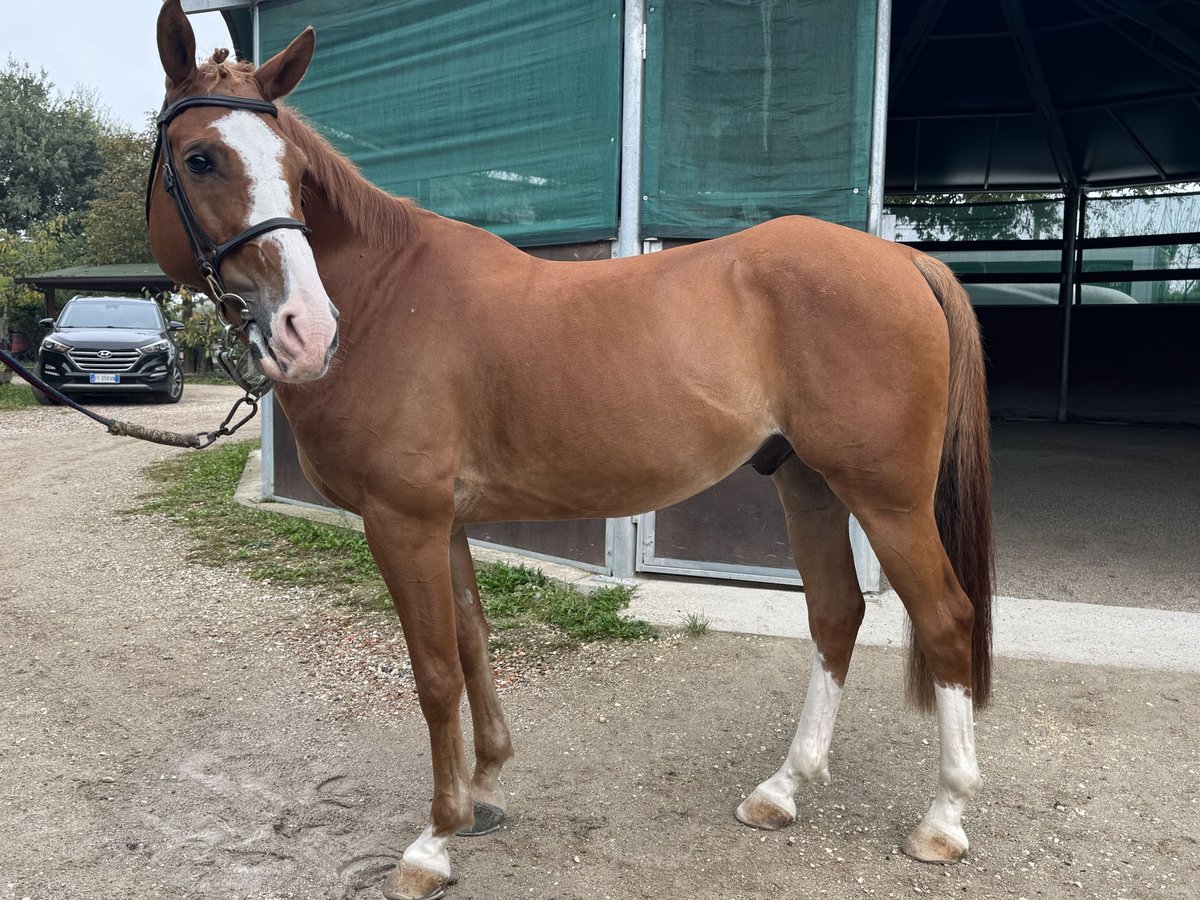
(1050, 630)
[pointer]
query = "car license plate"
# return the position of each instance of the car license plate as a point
(104, 379)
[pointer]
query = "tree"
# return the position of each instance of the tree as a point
(71, 189)
(115, 224)
(49, 149)
(977, 216)
(43, 246)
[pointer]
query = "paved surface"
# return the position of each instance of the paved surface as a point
(1105, 514)
(1024, 629)
(1097, 545)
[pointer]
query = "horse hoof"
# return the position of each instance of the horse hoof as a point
(487, 820)
(929, 846)
(409, 882)
(759, 812)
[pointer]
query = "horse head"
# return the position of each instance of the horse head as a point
(230, 170)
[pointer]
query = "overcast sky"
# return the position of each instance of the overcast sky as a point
(105, 44)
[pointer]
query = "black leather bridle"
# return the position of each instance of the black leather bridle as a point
(207, 252)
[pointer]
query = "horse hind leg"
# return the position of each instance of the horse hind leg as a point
(493, 742)
(911, 554)
(818, 530)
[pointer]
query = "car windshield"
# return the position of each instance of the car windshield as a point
(111, 314)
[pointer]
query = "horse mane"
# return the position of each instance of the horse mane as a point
(371, 212)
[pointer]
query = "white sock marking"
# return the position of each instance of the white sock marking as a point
(430, 853)
(958, 775)
(808, 757)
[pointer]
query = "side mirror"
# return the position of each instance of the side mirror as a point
(46, 323)
(175, 326)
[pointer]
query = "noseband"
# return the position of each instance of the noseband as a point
(207, 252)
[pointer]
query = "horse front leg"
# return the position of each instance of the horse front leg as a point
(413, 556)
(493, 742)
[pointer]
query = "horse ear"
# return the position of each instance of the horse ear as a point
(176, 43)
(282, 72)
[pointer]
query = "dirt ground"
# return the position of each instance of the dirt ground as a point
(172, 731)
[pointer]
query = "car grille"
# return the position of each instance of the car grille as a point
(115, 361)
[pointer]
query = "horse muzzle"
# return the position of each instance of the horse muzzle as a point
(294, 345)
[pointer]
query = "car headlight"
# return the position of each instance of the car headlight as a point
(155, 347)
(50, 344)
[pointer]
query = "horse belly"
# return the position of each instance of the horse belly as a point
(616, 470)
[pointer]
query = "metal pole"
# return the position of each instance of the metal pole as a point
(621, 533)
(632, 76)
(1072, 224)
(256, 39)
(883, 54)
(267, 404)
(865, 560)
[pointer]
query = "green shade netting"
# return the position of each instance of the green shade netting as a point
(755, 109)
(502, 113)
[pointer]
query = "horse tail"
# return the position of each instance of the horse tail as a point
(963, 504)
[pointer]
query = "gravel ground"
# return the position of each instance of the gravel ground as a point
(173, 730)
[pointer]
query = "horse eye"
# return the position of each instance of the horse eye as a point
(198, 163)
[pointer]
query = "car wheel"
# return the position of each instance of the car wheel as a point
(43, 399)
(174, 390)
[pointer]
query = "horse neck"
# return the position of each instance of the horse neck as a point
(366, 275)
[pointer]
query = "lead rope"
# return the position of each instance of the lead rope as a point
(198, 441)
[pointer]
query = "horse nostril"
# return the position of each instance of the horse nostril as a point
(289, 331)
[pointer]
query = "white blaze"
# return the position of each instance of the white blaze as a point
(261, 152)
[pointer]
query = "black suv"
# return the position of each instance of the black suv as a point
(110, 345)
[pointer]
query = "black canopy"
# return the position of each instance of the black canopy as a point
(131, 278)
(1043, 94)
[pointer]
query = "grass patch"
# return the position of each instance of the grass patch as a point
(16, 396)
(196, 490)
(516, 595)
(695, 624)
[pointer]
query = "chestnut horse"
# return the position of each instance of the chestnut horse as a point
(475, 383)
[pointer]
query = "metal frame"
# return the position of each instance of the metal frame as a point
(267, 404)
(1071, 276)
(544, 557)
(200, 6)
(1069, 268)
(866, 563)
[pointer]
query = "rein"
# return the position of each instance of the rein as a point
(118, 428)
